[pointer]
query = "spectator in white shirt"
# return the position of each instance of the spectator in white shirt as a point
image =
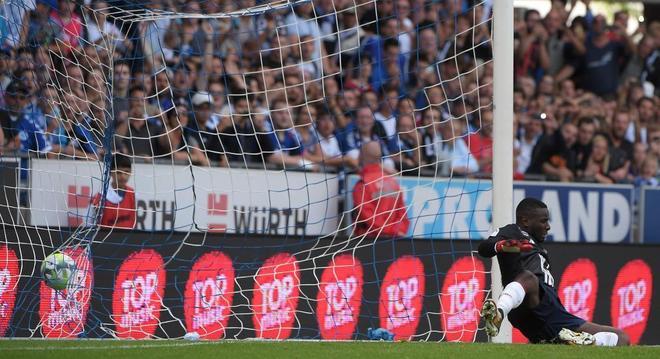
(332, 156)
(99, 29)
(443, 148)
(533, 129)
(385, 114)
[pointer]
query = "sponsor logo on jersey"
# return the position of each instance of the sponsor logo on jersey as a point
(276, 297)
(138, 295)
(461, 297)
(339, 297)
(9, 271)
(401, 297)
(631, 299)
(578, 288)
(209, 294)
(63, 312)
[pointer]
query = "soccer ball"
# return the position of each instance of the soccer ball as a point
(57, 269)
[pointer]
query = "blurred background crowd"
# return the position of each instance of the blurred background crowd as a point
(306, 86)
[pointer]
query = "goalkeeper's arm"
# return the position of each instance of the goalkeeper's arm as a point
(494, 245)
(487, 247)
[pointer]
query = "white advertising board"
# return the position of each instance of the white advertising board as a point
(184, 198)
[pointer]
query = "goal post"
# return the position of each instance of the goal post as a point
(502, 136)
(241, 131)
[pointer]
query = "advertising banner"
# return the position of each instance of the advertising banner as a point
(190, 198)
(649, 225)
(160, 285)
(583, 212)
(9, 171)
(460, 208)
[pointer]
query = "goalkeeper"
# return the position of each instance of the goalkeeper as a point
(529, 298)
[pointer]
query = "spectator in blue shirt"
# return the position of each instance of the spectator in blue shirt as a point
(32, 137)
(365, 129)
(16, 98)
(283, 135)
(604, 58)
(648, 175)
(32, 130)
(409, 141)
(83, 139)
(288, 147)
(248, 139)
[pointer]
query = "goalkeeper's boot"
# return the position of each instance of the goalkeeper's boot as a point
(493, 316)
(570, 337)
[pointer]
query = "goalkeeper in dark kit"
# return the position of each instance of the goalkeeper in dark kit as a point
(529, 298)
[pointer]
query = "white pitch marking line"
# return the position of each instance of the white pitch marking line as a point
(137, 346)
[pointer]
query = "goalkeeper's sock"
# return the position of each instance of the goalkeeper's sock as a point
(606, 339)
(512, 296)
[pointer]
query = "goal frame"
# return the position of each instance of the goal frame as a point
(502, 133)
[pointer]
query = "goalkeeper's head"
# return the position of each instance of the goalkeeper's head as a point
(120, 169)
(533, 217)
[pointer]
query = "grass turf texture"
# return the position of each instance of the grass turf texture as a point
(78, 349)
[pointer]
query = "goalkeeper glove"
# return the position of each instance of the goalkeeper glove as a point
(513, 246)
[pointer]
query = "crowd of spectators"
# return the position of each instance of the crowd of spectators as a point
(306, 86)
(586, 99)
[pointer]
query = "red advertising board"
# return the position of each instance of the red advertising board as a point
(401, 297)
(340, 297)
(138, 295)
(63, 312)
(209, 295)
(276, 297)
(461, 298)
(9, 270)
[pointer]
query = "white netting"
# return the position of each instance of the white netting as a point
(204, 159)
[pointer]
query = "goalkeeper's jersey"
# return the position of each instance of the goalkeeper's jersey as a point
(511, 264)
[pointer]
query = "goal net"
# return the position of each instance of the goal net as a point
(237, 169)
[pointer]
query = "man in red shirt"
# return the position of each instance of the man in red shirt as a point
(377, 197)
(481, 143)
(119, 205)
(69, 22)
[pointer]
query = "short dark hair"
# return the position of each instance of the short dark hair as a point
(391, 88)
(586, 121)
(135, 88)
(643, 99)
(120, 160)
(391, 42)
(17, 88)
(620, 12)
(326, 116)
(216, 80)
(362, 107)
(529, 12)
(23, 50)
(236, 98)
(527, 205)
(121, 62)
(182, 66)
(277, 101)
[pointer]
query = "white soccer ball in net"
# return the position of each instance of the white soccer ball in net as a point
(57, 269)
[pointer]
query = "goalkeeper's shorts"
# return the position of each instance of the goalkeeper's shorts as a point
(543, 323)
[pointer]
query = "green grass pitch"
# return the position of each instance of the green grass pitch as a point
(78, 349)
